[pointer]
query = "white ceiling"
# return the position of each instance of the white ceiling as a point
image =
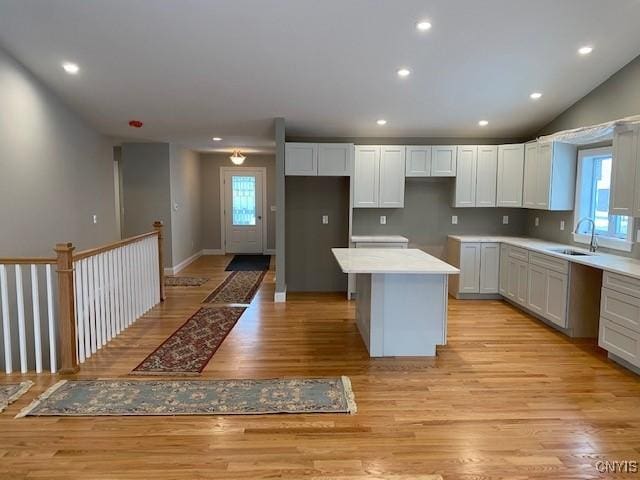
(194, 69)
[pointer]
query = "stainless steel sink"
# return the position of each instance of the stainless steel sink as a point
(569, 251)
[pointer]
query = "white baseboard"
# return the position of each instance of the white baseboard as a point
(212, 251)
(280, 297)
(270, 251)
(182, 265)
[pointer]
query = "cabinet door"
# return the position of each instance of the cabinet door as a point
(466, 164)
(556, 302)
(623, 173)
(537, 292)
(391, 177)
(489, 267)
(504, 270)
(366, 177)
(510, 175)
(543, 176)
(530, 177)
(486, 176)
(301, 159)
(512, 278)
(470, 267)
(523, 282)
(443, 161)
(418, 161)
(335, 159)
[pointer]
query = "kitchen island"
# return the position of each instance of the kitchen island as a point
(401, 299)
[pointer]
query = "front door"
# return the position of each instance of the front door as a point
(243, 214)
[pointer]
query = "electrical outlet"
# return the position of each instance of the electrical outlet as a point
(95, 219)
(537, 221)
(325, 219)
(505, 219)
(383, 219)
(561, 224)
(454, 219)
(273, 208)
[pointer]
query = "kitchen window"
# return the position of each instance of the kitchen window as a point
(592, 200)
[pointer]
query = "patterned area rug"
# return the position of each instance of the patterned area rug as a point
(185, 281)
(188, 350)
(187, 397)
(10, 392)
(238, 287)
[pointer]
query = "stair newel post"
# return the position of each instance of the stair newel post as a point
(66, 302)
(158, 227)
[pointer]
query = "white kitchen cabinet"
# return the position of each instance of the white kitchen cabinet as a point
(392, 176)
(486, 176)
(556, 301)
(625, 181)
(379, 176)
(517, 280)
(469, 268)
(466, 165)
(301, 159)
(549, 176)
(536, 296)
(489, 267)
(504, 270)
(418, 161)
(443, 161)
(510, 175)
(335, 159)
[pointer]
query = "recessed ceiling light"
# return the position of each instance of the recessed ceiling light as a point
(382, 121)
(586, 50)
(404, 72)
(423, 25)
(483, 123)
(217, 139)
(70, 68)
(535, 95)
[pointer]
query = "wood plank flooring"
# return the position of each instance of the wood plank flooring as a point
(507, 398)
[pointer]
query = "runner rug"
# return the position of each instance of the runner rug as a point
(238, 287)
(185, 281)
(10, 392)
(188, 350)
(188, 397)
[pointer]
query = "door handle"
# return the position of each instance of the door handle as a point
(259, 217)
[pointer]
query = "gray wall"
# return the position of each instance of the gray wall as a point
(426, 217)
(210, 164)
(310, 265)
(56, 172)
(185, 193)
(146, 192)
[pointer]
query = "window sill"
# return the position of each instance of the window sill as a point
(606, 242)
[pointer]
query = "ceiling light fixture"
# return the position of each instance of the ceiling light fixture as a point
(483, 123)
(535, 96)
(382, 121)
(71, 68)
(237, 158)
(404, 72)
(217, 139)
(586, 50)
(423, 25)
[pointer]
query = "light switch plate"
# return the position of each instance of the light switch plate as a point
(537, 221)
(383, 219)
(505, 219)
(637, 235)
(95, 219)
(325, 219)
(561, 224)
(273, 208)
(454, 219)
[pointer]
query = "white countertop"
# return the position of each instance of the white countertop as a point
(391, 260)
(379, 239)
(603, 261)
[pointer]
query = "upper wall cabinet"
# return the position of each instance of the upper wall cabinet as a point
(549, 176)
(378, 179)
(476, 176)
(486, 182)
(443, 161)
(625, 180)
(510, 175)
(324, 159)
(418, 161)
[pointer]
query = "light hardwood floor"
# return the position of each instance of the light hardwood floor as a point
(507, 398)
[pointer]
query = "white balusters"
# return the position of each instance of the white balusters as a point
(35, 302)
(22, 335)
(53, 357)
(6, 325)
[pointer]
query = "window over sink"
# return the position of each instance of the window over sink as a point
(592, 201)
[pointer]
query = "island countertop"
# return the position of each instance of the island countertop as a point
(387, 260)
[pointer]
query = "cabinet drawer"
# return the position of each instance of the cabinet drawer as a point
(621, 283)
(620, 341)
(621, 308)
(380, 245)
(546, 261)
(519, 253)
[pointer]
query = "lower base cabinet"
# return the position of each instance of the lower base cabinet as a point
(479, 265)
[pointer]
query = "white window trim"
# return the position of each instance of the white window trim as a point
(606, 242)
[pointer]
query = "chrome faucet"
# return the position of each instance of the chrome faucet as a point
(593, 245)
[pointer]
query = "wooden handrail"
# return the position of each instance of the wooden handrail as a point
(111, 246)
(28, 261)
